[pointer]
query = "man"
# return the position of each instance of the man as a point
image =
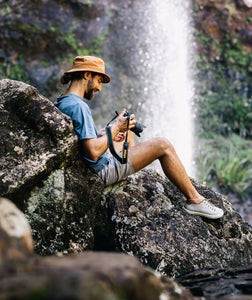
(86, 77)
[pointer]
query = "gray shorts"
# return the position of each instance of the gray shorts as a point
(114, 171)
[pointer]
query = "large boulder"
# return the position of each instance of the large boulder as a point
(42, 172)
(70, 210)
(149, 222)
(88, 276)
(35, 138)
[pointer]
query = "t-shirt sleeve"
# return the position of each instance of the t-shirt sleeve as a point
(83, 122)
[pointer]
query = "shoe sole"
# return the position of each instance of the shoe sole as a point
(201, 214)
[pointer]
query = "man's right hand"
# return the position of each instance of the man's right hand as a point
(121, 122)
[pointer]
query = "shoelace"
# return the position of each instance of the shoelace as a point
(209, 204)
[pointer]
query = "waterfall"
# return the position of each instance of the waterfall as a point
(167, 84)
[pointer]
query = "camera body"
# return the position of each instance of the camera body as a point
(138, 127)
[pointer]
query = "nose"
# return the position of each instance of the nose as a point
(99, 87)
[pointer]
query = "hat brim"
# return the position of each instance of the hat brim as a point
(106, 77)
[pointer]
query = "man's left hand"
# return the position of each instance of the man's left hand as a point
(120, 137)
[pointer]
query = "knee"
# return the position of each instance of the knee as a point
(164, 145)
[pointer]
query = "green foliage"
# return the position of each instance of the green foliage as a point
(67, 37)
(226, 163)
(95, 47)
(34, 28)
(235, 55)
(14, 71)
(224, 112)
(248, 20)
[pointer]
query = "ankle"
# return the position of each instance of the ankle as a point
(195, 200)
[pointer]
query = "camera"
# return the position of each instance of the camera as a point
(138, 127)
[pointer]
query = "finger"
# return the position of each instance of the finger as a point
(122, 112)
(132, 116)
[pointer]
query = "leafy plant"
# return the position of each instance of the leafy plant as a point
(224, 112)
(226, 163)
(14, 71)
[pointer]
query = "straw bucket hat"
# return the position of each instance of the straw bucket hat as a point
(89, 64)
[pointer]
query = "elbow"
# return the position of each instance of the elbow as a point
(90, 150)
(93, 155)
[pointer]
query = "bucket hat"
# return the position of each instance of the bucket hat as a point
(89, 64)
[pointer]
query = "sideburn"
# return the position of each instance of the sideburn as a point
(89, 94)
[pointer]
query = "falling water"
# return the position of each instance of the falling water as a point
(167, 85)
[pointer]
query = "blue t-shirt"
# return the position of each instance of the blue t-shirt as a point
(74, 106)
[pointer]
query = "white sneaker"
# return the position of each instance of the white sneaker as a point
(204, 209)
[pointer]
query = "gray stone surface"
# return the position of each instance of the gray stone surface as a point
(34, 137)
(69, 209)
(15, 233)
(224, 284)
(42, 171)
(149, 222)
(87, 276)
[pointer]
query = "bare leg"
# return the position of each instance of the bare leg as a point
(160, 148)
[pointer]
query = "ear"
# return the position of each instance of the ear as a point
(87, 75)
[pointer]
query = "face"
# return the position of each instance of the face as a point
(94, 85)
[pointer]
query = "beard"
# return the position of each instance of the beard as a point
(89, 94)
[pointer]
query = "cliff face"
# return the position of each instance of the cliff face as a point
(224, 19)
(70, 210)
(37, 40)
(223, 34)
(224, 96)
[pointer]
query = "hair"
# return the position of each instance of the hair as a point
(71, 76)
(67, 77)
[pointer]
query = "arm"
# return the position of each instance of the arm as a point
(101, 132)
(95, 147)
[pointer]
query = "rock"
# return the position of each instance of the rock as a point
(69, 209)
(87, 276)
(148, 222)
(42, 171)
(35, 138)
(231, 283)
(15, 233)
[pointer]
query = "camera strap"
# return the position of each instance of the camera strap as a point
(124, 158)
